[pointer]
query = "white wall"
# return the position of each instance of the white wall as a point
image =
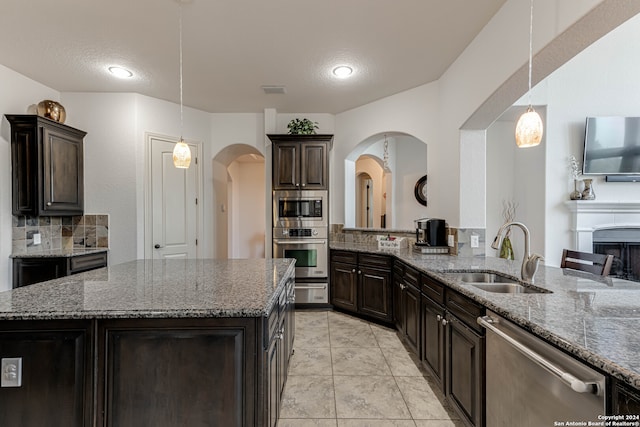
(248, 209)
(18, 93)
(602, 80)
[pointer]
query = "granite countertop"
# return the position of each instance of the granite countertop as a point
(594, 318)
(59, 253)
(155, 289)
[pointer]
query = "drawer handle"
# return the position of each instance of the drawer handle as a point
(444, 322)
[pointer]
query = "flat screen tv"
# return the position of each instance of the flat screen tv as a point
(612, 146)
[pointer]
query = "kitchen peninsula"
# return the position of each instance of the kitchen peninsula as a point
(166, 342)
(437, 311)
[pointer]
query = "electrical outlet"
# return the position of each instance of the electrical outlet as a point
(450, 240)
(475, 240)
(37, 239)
(11, 372)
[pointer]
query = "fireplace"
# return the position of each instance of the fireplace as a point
(609, 228)
(624, 244)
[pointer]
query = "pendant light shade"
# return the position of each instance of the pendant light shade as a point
(181, 155)
(181, 152)
(529, 129)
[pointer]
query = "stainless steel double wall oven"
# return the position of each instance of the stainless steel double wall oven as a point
(300, 231)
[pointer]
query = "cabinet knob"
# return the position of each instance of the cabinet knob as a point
(359, 272)
(303, 184)
(353, 270)
(444, 322)
(157, 246)
(438, 318)
(298, 184)
(48, 203)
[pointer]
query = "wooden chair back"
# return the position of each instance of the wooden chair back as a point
(599, 264)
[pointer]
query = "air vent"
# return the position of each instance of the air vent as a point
(273, 89)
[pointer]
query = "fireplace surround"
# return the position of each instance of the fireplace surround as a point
(609, 228)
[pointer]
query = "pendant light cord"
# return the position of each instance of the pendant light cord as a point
(530, 49)
(181, 113)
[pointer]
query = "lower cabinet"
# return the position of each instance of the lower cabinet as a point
(464, 370)
(625, 400)
(433, 339)
(407, 301)
(30, 270)
(56, 360)
(361, 283)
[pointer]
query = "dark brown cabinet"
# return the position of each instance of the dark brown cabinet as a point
(433, 339)
(29, 270)
(407, 302)
(361, 283)
(625, 400)
(279, 349)
(56, 363)
(300, 162)
(47, 167)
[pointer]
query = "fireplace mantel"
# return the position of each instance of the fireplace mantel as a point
(591, 215)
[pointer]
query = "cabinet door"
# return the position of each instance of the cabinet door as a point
(286, 166)
(433, 339)
(412, 317)
(273, 386)
(374, 293)
(27, 271)
(344, 286)
(626, 401)
(398, 302)
(464, 367)
(313, 166)
(56, 375)
(63, 171)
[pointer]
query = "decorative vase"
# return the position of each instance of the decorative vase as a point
(588, 193)
(575, 194)
(52, 110)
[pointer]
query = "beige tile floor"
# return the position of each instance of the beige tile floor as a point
(347, 372)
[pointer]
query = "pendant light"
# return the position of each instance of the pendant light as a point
(529, 127)
(181, 152)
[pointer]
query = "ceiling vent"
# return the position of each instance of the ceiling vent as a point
(273, 89)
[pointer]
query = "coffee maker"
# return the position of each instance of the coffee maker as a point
(431, 232)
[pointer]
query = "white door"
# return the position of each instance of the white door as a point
(174, 203)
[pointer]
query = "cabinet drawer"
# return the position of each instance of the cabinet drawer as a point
(398, 268)
(81, 263)
(375, 261)
(344, 256)
(465, 309)
(433, 289)
(270, 324)
(412, 277)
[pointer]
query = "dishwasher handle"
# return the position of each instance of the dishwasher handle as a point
(576, 384)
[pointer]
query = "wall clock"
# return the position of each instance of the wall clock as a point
(420, 190)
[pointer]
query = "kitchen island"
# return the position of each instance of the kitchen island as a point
(167, 342)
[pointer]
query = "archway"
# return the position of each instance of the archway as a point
(238, 181)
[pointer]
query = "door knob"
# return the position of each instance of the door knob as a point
(157, 246)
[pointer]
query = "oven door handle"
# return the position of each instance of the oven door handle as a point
(300, 242)
(311, 287)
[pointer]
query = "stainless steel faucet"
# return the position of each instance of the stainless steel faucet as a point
(529, 261)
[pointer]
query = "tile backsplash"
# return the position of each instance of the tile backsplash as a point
(59, 233)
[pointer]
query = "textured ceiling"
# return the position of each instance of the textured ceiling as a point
(232, 48)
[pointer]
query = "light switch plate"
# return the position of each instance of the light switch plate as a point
(11, 372)
(37, 239)
(475, 240)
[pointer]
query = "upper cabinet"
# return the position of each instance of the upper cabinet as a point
(300, 162)
(47, 167)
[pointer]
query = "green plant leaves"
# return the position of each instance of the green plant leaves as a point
(302, 127)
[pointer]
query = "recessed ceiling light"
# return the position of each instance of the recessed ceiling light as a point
(342, 71)
(120, 72)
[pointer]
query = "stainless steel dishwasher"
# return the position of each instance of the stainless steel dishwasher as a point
(531, 383)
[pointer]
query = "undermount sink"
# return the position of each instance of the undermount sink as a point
(485, 278)
(508, 288)
(492, 282)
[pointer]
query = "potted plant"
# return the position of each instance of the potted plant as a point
(302, 127)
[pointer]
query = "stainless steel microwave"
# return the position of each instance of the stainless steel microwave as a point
(300, 209)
